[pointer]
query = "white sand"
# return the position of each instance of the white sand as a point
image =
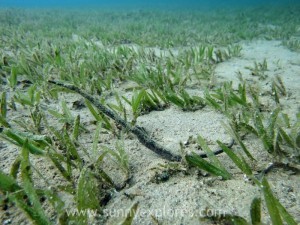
(183, 198)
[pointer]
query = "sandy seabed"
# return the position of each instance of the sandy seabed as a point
(184, 197)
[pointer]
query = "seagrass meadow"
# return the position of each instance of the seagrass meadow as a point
(150, 116)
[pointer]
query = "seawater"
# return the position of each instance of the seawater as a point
(139, 3)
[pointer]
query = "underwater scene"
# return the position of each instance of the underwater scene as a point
(149, 112)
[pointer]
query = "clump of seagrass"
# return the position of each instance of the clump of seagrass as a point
(139, 132)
